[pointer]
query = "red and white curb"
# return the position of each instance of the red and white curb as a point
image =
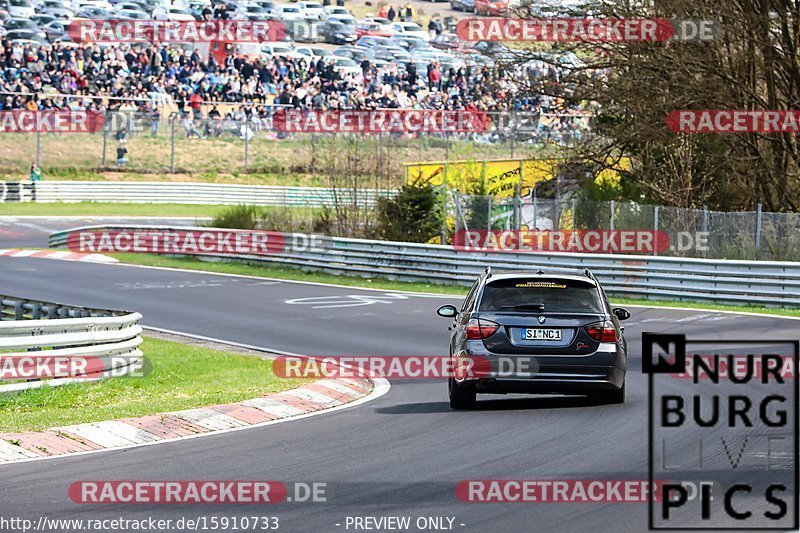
(323, 395)
(59, 254)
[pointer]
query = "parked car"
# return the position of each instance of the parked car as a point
(303, 30)
(327, 11)
(462, 5)
(312, 52)
(55, 31)
(350, 20)
(43, 18)
(355, 53)
(19, 8)
(392, 55)
(24, 25)
(410, 42)
(371, 41)
(490, 7)
(371, 29)
(26, 36)
(286, 13)
(57, 8)
(345, 66)
(252, 12)
(172, 13)
(131, 14)
(410, 29)
(280, 50)
(311, 9)
(335, 32)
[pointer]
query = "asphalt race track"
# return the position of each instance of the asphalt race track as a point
(401, 454)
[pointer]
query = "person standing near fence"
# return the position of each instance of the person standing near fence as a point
(36, 172)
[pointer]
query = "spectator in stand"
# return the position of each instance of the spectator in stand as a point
(391, 14)
(196, 104)
(431, 28)
(119, 77)
(155, 118)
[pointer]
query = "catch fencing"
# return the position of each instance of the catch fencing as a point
(699, 233)
(45, 330)
(240, 142)
(765, 283)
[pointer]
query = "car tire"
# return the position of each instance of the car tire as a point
(461, 397)
(615, 397)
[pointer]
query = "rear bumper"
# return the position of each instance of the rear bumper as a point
(600, 371)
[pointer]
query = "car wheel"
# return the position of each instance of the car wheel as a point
(461, 397)
(615, 397)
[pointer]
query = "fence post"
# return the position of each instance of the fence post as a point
(535, 220)
(705, 229)
(246, 146)
(38, 147)
(612, 216)
(172, 145)
(105, 140)
(758, 229)
(655, 230)
(457, 198)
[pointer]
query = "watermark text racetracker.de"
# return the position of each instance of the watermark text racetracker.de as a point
(174, 31)
(590, 29)
(50, 121)
(33, 366)
(579, 241)
(192, 242)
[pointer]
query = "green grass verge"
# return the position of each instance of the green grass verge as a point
(182, 377)
(108, 209)
(381, 283)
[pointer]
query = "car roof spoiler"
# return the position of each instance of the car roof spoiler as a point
(487, 272)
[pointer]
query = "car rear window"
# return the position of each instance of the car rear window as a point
(526, 295)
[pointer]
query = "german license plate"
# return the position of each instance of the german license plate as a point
(539, 334)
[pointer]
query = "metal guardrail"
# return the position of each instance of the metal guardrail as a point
(191, 193)
(767, 283)
(45, 330)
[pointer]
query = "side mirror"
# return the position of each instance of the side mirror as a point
(621, 313)
(447, 311)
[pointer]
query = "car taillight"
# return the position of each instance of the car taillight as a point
(602, 331)
(481, 329)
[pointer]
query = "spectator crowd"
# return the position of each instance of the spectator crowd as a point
(150, 79)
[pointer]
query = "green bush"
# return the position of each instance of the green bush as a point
(414, 215)
(277, 219)
(238, 217)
